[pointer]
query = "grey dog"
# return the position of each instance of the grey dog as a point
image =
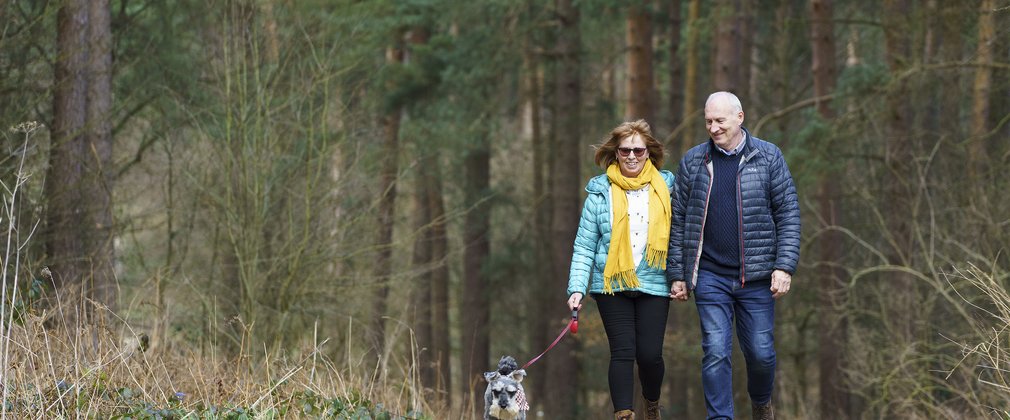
(505, 398)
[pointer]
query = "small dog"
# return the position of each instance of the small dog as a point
(505, 398)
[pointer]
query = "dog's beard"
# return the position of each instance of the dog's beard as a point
(507, 413)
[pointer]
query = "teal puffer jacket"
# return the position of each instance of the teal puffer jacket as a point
(592, 242)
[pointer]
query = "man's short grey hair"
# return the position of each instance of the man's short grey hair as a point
(728, 97)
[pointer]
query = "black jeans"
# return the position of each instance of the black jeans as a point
(636, 325)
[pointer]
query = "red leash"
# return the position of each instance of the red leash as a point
(572, 326)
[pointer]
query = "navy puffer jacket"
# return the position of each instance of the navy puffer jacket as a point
(768, 208)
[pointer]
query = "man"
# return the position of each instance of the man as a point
(734, 241)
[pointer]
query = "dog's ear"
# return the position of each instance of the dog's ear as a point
(491, 376)
(518, 375)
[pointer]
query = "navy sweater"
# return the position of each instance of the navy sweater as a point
(721, 250)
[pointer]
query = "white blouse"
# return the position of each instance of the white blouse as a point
(638, 221)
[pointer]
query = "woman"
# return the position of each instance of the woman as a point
(620, 257)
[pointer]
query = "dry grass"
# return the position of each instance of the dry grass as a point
(985, 353)
(91, 371)
(62, 356)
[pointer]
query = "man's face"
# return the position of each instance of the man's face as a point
(723, 122)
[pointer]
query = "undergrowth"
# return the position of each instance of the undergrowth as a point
(63, 355)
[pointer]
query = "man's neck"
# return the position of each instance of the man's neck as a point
(736, 144)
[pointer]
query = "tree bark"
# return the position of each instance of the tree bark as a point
(79, 179)
(440, 347)
(99, 134)
(746, 34)
(562, 369)
(539, 86)
(691, 106)
(832, 326)
(422, 261)
(65, 169)
(981, 89)
(675, 69)
(475, 343)
(272, 48)
(782, 62)
(640, 73)
(727, 47)
(423, 255)
(901, 183)
(385, 211)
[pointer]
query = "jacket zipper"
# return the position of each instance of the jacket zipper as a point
(739, 200)
(704, 218)
(739, 214)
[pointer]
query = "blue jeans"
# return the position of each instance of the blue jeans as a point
(720, 300)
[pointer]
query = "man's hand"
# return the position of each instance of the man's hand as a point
(678, 291)
(575, 301)
(781, 281)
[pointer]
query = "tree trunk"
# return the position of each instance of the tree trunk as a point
(98, 126)
(65, 169)
(421, 261)
(272, 48)
(540, 210)
(727, 47)
(782, 62)
(675, 101)
(832, 329)
(640, 79)
(423, 255)
(440, 347)
(475, 344)
(385, 211)
(539, 86)
(901, 183)
(691, 106)
(80, 225)
(822, 42)
(947, 41)
(562, 369)
(980, 91)
(678, 371)
(745, 36)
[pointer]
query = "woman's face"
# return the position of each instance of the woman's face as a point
(631, 155)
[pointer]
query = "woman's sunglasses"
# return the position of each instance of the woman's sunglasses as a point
(625, 151)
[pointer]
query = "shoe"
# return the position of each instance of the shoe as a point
(624, 415)
(763, 411)
(651, 410)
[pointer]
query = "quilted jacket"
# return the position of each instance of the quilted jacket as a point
(767, 206)
(592, 242)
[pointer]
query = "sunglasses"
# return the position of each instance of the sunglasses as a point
(625, 151)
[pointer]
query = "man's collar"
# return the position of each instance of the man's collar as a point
(737, 149)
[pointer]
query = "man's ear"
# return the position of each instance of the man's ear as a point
(518, 375)
(492, 376)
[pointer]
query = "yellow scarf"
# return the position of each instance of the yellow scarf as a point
(620, 268)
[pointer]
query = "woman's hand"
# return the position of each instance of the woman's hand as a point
(575, 301)
(678, 291)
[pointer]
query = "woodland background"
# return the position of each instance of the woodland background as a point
(390, 190)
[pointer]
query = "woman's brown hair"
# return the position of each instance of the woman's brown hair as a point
(606, 152)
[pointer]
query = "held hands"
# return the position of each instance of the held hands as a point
(781, 282)
(678, 291)
(575, 302)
